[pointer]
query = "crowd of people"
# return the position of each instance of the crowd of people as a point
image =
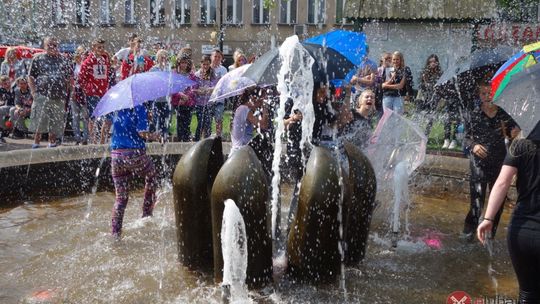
(51, 85)
(40, 92)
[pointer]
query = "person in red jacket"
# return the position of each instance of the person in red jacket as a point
(94, 79)
(137, 61)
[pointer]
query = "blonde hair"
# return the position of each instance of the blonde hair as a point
(161, 53)
(364, 93)
(401, 61)
(238, 53)
(79, 52)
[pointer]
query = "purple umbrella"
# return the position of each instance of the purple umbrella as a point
(232, 84)
(139, 88)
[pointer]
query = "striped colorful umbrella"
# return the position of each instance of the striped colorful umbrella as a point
(527, 57)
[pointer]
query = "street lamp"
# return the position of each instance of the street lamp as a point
(221, 33)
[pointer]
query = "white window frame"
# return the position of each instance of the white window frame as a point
(105, 12)
(262, 10)
(59, 12)
(82, 7)
(343, 20)
(208, 17)
(181, 18)
(319, 6)
(129, 19)
(289, 17)
(155, 12)
(234, 18)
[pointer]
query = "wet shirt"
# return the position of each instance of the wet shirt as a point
(490, 133)
(51, 75)
(358, 131)
(127, 124)
(525, 156)
(242, 129)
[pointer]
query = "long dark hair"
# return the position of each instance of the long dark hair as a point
(428, 72)
(207, 75)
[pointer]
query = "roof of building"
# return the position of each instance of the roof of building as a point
(421, 9)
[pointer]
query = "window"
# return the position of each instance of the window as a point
(520, 11)
(129, 11)
(340, 12)
(261, 14)
(58, 12)
(234, 12)
(287, 11)
(316, 11)
(208, 11)
(182, 11)
(82, 11)
(157, 12)
(105, 12)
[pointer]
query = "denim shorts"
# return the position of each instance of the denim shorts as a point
(217, 110)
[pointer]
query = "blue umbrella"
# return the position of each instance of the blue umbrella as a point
(139, 88)
(352, 45)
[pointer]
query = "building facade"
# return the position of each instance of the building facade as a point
(252, 25)
(447, 28)
(417, 28)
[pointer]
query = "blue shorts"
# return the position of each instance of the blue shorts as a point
(217, 111)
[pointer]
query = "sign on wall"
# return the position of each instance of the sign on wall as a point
(508, 33)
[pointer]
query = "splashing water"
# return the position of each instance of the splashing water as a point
(234, 248)
(401, 195)
(341, 242)
(491, 271)
(295, 81)
(94, 187)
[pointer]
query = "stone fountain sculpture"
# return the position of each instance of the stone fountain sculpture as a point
(202, 182)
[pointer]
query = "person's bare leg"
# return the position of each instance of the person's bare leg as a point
(52, 139)
(91, 134)
(219, 127)
(105, 132)
(37, 138)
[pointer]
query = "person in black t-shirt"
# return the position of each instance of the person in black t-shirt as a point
(488, 127)
(523, 237)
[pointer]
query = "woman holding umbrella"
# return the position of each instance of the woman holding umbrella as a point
(523, 160)
(128, 159)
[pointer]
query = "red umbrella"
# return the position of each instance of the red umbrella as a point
(21, 51)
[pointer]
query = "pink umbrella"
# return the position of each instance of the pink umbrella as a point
(232, 84)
